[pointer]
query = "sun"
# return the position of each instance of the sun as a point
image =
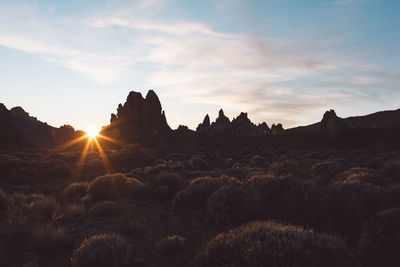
(92, 133)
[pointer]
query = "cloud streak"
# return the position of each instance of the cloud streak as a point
(265, 76)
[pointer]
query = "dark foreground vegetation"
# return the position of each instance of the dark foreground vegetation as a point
(225, 207)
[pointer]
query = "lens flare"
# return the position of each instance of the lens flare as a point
(92, 133)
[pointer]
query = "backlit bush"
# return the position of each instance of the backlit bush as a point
(380, 239)
(31, 209)
(103, 209)
(195, 195)
(3, 200)
(283, 168)
(361, 176)
(113, 186)
(272, 244)
(266, 195)
(104, 250)
(75, 191)
(173, 181)
(228, 205)
(169, 246)
(392, 169)
(326, 171)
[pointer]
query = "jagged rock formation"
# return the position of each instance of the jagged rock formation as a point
(333, 126)
(139, 120)
(28, 131)
(205, 126)
(10, 137)
(36, 133)
(239, 126)
(277, 128)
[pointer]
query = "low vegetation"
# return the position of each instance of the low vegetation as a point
(250, 207)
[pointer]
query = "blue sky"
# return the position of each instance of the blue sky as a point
(281, 61)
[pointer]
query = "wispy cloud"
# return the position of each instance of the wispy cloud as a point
(265, 76)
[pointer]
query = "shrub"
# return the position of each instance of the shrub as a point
(173, 181)
(3, 200)
(31, 209)
(113, 186)
(282, 168)
(103, 250)
(325, 171)
(94, 167)
(227, 181)
(103, 209)
(392, 169)
(271, 244)
(198, 163)
(75, 191)
(169, 245)
(47, 239)
(61, 171)
(196, 194)
(266, 195)
(161, 192)
(357, 176)
(228, 205)
(380, 239)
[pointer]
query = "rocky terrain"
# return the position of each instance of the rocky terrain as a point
(230, 193)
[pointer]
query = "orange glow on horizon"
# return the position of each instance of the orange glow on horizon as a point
(92, 135)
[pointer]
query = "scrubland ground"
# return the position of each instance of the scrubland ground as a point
(249, 207)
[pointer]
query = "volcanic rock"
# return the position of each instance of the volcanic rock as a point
(139, 120)
(277, 128)
(333, 126)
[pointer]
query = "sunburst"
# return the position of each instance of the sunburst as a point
(92, 136)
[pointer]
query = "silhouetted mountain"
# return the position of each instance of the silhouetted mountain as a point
(10, 137)
(139, 120)
(20, 129)
(378, 120)
(239, 126)
(36, 133)
(277, 128)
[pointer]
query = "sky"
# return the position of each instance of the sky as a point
(282, 61)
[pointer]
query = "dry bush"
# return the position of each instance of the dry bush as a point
(228, 205)
(47, 239)
(227, 181)
(93, 168)
(197, 163)
(173, 181)
(103, 209)
(392, 169)
(195, 195)
(380, 239)
(283, 168)
(161, 192)
(271, 244)
(169, 246)
(361, 176)
(325, 171)
(103, 250)
(61, 171)
(32, 209)
(75, 191)
(113, 186)
(267, 195)
(72, 211)
(3, 200)
(353, 204)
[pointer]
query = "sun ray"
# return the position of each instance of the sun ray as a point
(109, 139)
(81, 161)
(72, 142)
(104, 158)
